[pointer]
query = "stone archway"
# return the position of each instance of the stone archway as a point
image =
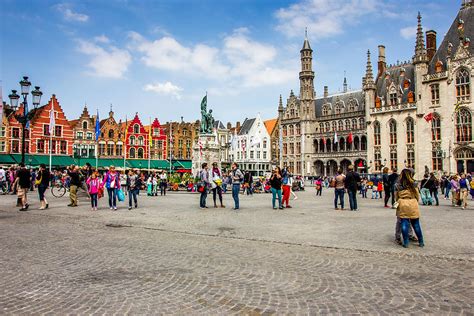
(345, 165)
(331, 168)
(319, 168)
(464, 159)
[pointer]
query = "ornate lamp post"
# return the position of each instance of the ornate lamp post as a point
(26, 116)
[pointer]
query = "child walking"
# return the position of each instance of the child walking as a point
(94, 185)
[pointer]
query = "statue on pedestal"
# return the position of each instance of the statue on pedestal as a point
(207, 120)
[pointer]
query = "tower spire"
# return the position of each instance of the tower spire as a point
(344, 85)
(420, 50)
(369, 76)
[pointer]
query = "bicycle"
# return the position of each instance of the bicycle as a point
(58, 189)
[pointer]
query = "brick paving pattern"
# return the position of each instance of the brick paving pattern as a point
(73, 261)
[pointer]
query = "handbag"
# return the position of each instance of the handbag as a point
(120, 195)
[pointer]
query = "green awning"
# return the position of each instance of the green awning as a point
(183, 164)
(7, 159)
(160, 164)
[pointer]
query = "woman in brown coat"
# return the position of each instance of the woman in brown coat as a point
(407, 196)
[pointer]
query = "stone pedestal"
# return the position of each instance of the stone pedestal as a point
(208, 153)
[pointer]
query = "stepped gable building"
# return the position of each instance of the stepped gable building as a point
(111, 139)
(420, 112)
(4, 143)
(184, 135)
(159, 141)
(84, 145)
(137, 140)
(37, 137)
(319, 135)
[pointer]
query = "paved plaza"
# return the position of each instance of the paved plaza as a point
(170, 257)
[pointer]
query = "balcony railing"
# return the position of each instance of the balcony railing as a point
(435, 76)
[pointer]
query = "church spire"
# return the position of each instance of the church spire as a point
(420, 50)
(306, 45)
(369, 76)
(344, 85)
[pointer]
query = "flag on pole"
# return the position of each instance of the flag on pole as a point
(349, 139)
(335, 137)
(52, 119)
(428, 117)
(1, 106)
(149, 134)
(97, 126)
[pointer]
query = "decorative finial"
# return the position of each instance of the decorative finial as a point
(306, 33)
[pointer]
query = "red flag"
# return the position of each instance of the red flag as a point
(324, 141)
(428, 117)
(361, 164)
(349, 139)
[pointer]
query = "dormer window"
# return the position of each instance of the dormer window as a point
(325, 110)
(393, 98)
(411, 97)
(84, 125)
(378, 102)
(439, 66)
(406, 84)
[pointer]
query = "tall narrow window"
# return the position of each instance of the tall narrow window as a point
(410, 131)
(437, 160)
(393, 98)
(436, 128)
(377, 133)
(298, 129)
(377, 161)
(410, 158)
(463, 85)
(136, 129)
(393, 132)
(393, 159)
(463, 126)
(434, 94)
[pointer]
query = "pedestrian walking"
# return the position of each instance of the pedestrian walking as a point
(74, 183)
(433, 186)
(291, 182)
(204, 177)
(133, 185)
(471, 185)
(375, 185)
(286, 187)
(425, 185)
(339, 190)
(464, 190)
(112, 183)
(216, 183)
(94, 185)
(363, 188)
(407, 196)
(163, 183)
(42, 181)
(392, 181)
(276, 182)
(351, 183)
(319, 186)
(248, 182)
(23, 182)
(237, 177)
(455, 195)
(386, 186)
(447, 187)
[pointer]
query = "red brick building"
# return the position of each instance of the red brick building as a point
(136, 141)
(37, 137)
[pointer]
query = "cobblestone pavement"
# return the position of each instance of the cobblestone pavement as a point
(141, 262)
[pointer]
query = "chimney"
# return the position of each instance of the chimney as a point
(381, 63)
(326, 92)
(229, 125)
(237, 125)
(430, 44)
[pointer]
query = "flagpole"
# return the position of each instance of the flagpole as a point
(97, 131)
(51, 130)
(171, 126)
(149, 145)
(125, 144)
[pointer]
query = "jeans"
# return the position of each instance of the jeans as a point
(93, 199)
(217, 191)
(202, 200)
(375, 194)
(41, 190)
(352, 199)
(249, 189)
(163, 186)
(339, 193)
(446, 192)
(235, 195)
(398, 230)
(405, 224)
(224, 187)
(132, 194)
(276, 193)
(112, 197)
(434, 193)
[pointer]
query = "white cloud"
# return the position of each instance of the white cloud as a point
(324, 18)
(408, 32)
(102, 39)
(70, 15)
(109, 62)
(166, 88)
(239, 61)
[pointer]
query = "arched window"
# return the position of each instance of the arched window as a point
(349, 144)
(321, 127)
(292, 112)
(334, 147)
(316, 146)
(264, 143)
(140, 141)
(337, 108)
(291, 130)
(354, 124)
(136, 129)
(393, 132)
(327, 127)
(436, 127)
(342, 144)
(352, 105)
(410, 97)
(410, 131)
(285, 130)
(362, 123)
(84, 125)
(132, 153)
(111, 133)
(132, 140)
(356, 143)
(298, 129)
(377, 133)
(340, 125)
(140, 153)
(321, 145)
(348, 124)
(363, 143)
(328, 145)
(462, 85)
(333, 125)
(463, 126)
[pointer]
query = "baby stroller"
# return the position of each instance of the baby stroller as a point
(426, 198)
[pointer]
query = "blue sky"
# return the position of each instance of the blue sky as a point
(159, 58)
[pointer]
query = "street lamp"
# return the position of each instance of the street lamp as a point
(26, 116)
